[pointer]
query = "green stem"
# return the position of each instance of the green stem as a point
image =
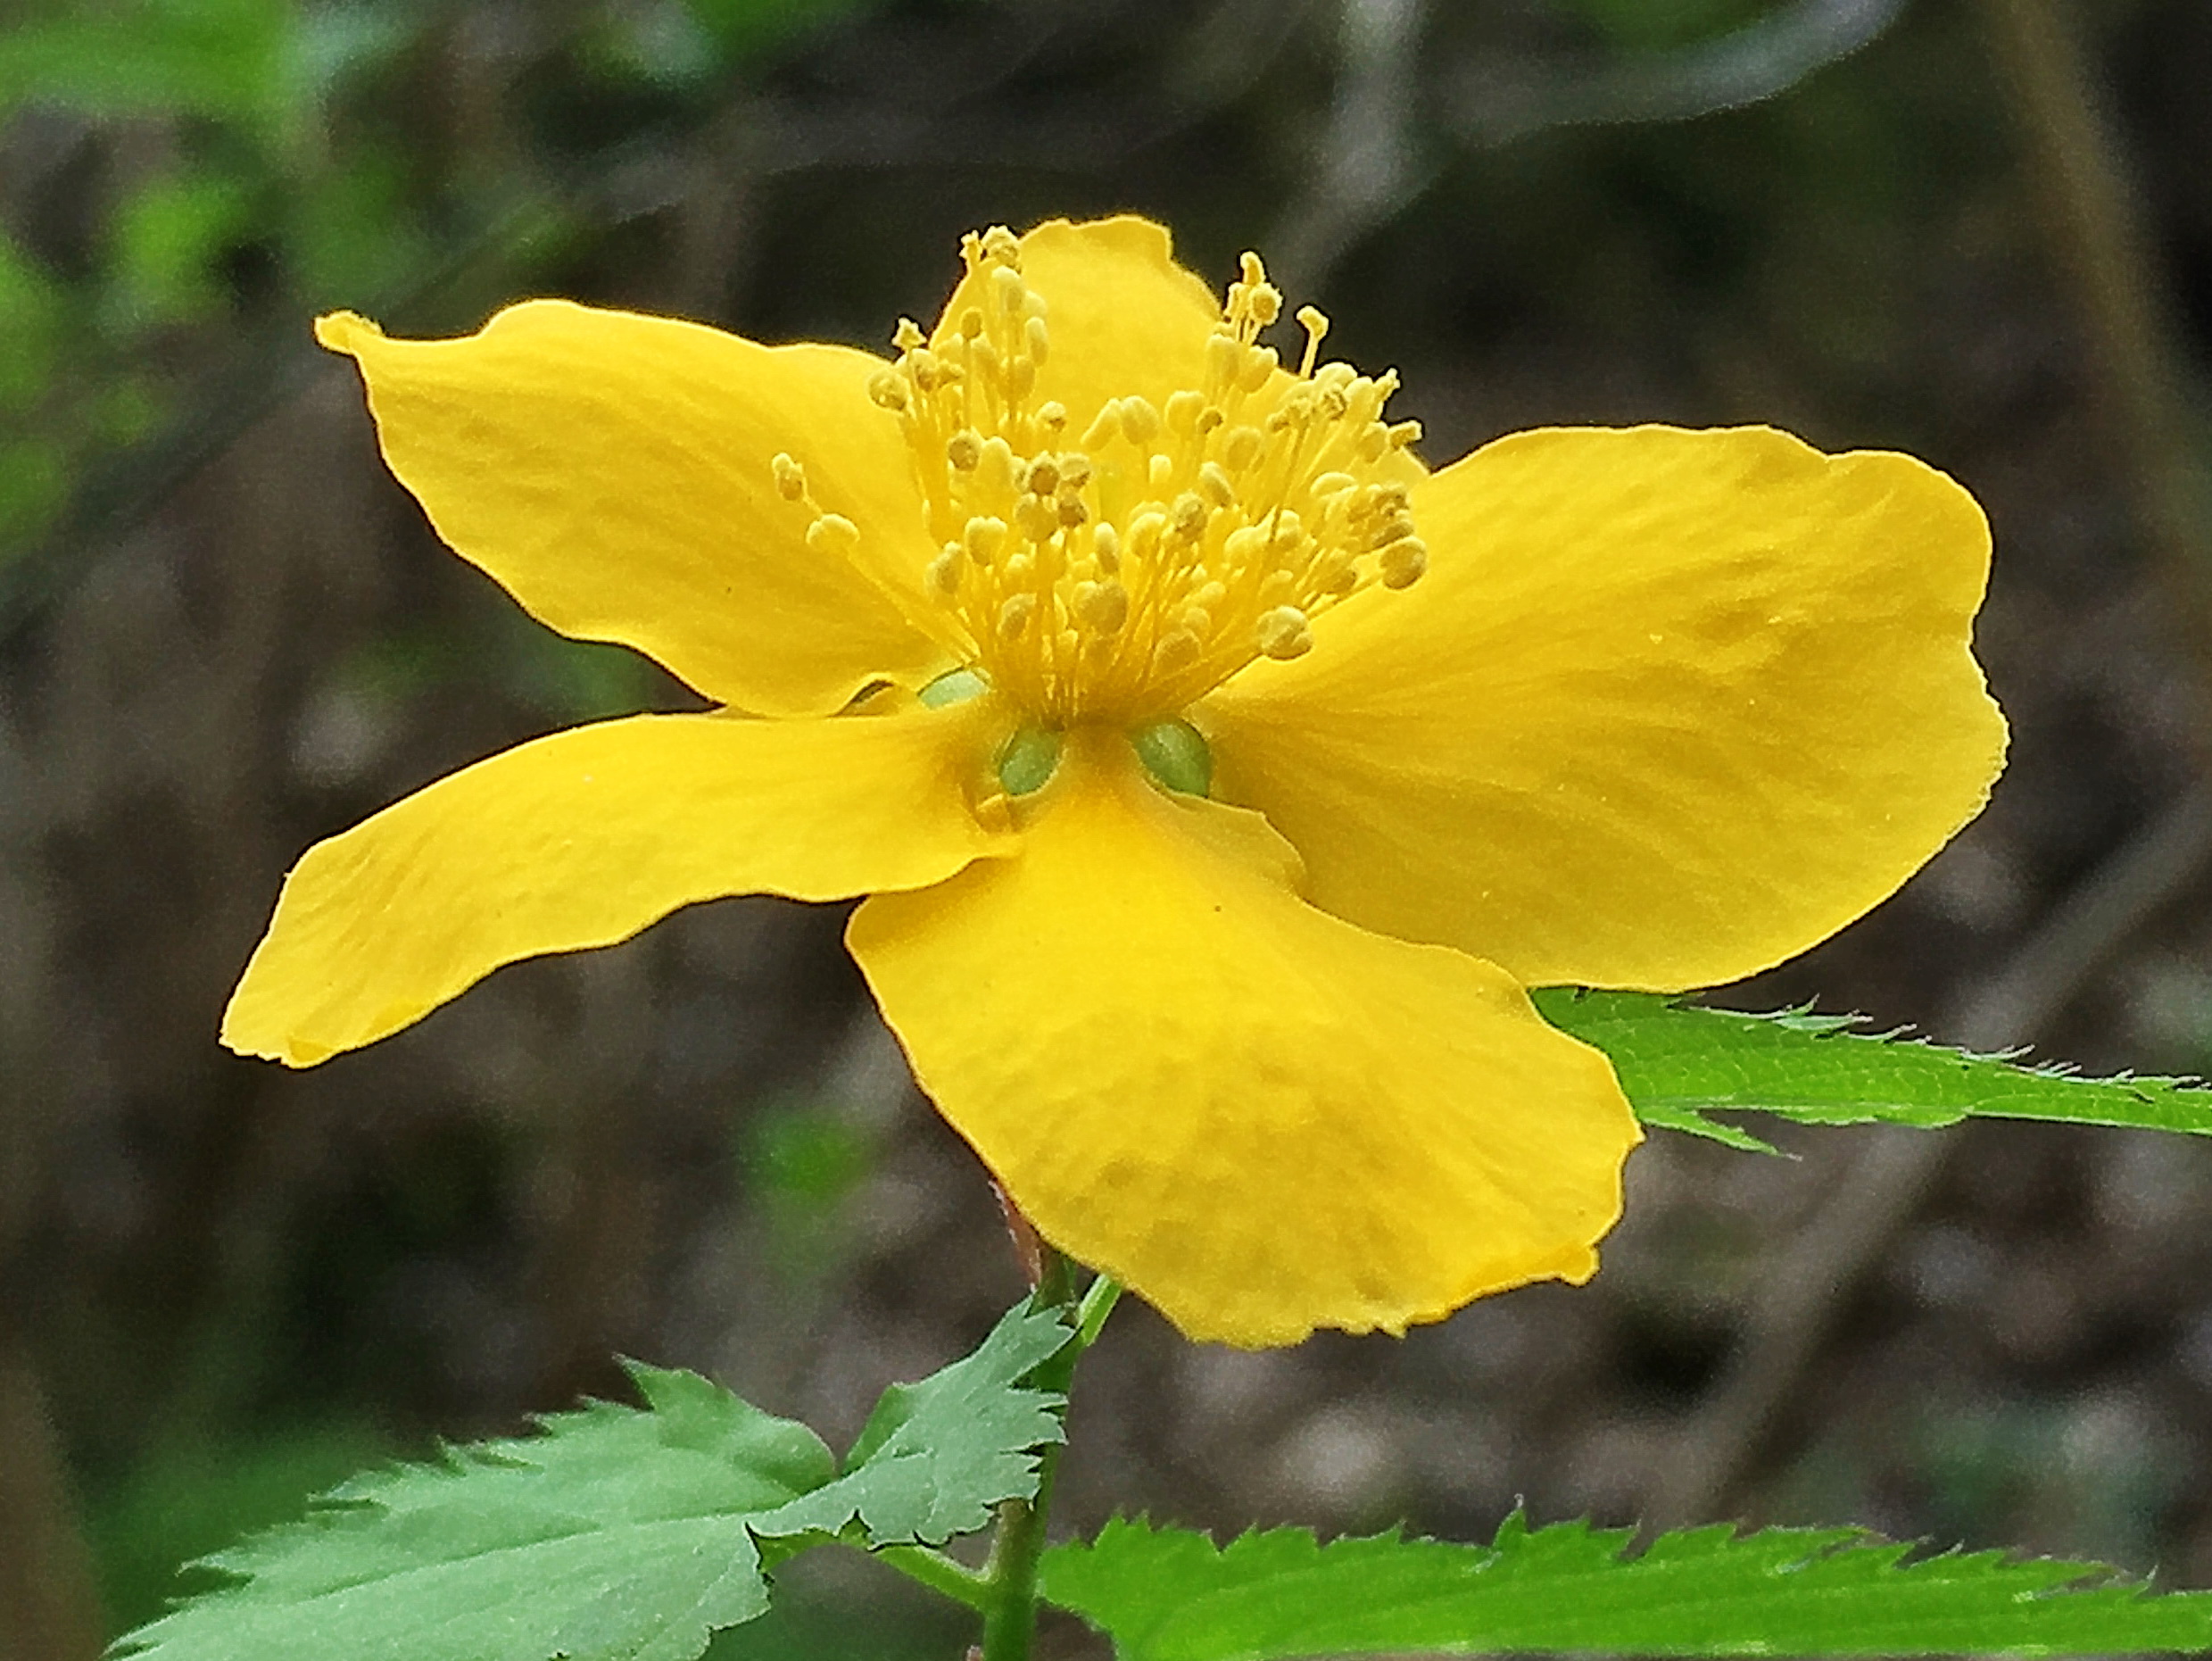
(1010, 1613)
(939, 1573)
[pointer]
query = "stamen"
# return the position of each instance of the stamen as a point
(1116, 561)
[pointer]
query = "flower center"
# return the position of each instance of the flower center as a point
(1121, 570)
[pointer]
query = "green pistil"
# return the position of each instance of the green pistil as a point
(954, 687)
(1028, 760)
(1175, 753)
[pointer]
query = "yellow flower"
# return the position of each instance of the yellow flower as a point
(1646, 709)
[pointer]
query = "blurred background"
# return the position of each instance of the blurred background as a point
(1980, 231)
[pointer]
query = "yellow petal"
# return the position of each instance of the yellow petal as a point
(1667, 708)
(1263, 1119)
(1121, 316)
(584, 838)
(613, 472)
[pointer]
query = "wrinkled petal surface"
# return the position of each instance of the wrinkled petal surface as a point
(1125, 318)
(612, 471)
(582, 839)
(1668, 706)
(1261, 1118)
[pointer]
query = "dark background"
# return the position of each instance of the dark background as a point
(1978, 231)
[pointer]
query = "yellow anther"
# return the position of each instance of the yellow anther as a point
(1006, 289)
(1014, 615)
(790, 478)
(1209, 419)
(1260, 362)
(1266, 304)
(1003, 245)
(1336, 575)
(1036, 518)
(1044, 475)
(832, 533)
(1389, 531)
(1285, 632)
(1213, 483)
(1020, 568)
(995, 472)
(1224, 359)
(1074, 469)
(1178, 649)
(886, 390)
(1140, 422)
(1211, 595)
(907, 335)
(1252, 269)
(964, 450)
(1036, 338)
(1374, 443)
(1073, 512)
(1103, 424)
(1332, 485)
(1315, 326)
(1402, 562)
(1105, 548)
(1159, 473)
(1290, 530)
(945, 569)
(1182, 411)
(1021, 379)
(1144, 533)
(1403, 433)
(984, 538)
(971, 322)
(1188, 516)
(1103, 607)
(1242, 447)
(1052, 414)
(1197, 620)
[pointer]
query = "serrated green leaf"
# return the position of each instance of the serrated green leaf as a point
(617, 1534)
(935, 1457)
(1680, 1061)
(1170, 1595)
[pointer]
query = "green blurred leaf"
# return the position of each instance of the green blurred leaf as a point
(226, 59)
(744, 28)
(1678, 1062)
(1170, 1595)
(617, 1534)
(34, 482)
(169, 240)
(30, 329)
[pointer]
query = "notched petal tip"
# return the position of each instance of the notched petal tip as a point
(345, 331)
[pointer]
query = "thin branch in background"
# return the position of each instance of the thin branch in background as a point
(1492, 104)
(1367, 167)
(2102, 248)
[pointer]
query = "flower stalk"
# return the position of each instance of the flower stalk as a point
(1009, 1580)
